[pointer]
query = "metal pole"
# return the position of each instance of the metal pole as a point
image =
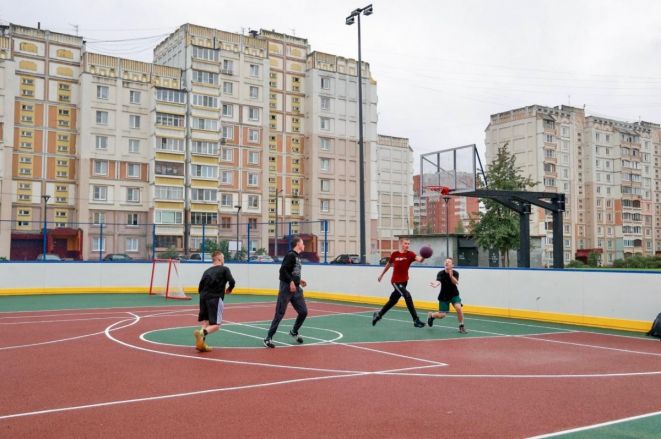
(447, 227)
(361, 153)
(101, 242)
(203, 247)
(153, 242)
(248, 245)
(325, 241)
(238, 210)
(275, 244)
(45, 234)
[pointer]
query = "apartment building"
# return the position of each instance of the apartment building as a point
(220, 137)
(227, 76)
(604, 167)
(333, 156)
(391, 171)
(40, 114)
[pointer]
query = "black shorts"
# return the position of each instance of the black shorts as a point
(211, 309)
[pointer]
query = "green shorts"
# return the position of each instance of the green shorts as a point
(444, 305)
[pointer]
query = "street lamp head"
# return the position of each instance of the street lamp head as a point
(46, 198)
(367, 10)
(238, 206)
(351, 19)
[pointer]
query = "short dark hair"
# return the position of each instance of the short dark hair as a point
(216, 253)
(294, 240)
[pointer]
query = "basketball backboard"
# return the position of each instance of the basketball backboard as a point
(454, 168)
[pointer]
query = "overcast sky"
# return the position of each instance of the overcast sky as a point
(442, 67)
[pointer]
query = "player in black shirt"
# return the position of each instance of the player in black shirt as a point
(290, 291)
(448, 279)
(212, 296)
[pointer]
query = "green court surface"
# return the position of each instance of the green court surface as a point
(648, 427)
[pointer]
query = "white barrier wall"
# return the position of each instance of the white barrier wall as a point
(627, 300)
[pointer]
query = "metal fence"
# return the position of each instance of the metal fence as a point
(109, 241)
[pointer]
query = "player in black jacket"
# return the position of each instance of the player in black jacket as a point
(290, 291)
(212, 296)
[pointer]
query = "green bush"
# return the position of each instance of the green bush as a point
(576, 264)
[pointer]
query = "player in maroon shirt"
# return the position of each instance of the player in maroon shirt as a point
(400, 260)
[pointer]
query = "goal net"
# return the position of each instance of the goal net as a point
(166, 279)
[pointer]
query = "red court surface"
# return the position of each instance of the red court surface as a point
(88, 373)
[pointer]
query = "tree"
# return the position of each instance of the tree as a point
(459, 229)
(497, 228)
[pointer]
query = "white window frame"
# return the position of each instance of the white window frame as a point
(134, 121)
(134, 96)
(325, 185)
(102, 92)
(134, 146)
(226, 177)
(228, 110)
(324, 164)
(253, 114)
(101, 117)
(99, 244)
(133, 194)
(254, 92)
(100, 167)
(253, 135)
(253, 179)
(99, 193)
(131, 245)
(132, 166)
(324, 205)
(253, 157)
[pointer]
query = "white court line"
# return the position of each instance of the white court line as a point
(39, 322)
(628, 351)
(199, 392)
(528, 376)
(593, 426)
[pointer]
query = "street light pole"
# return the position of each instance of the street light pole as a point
(367, 10)
(447, 228)
(45, 233)
(275, 244)
(238, 209)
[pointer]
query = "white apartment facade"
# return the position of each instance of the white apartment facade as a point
(604, 167)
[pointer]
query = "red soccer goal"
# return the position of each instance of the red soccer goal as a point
(166, 279)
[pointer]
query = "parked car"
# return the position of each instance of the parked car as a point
(117, 257)
(261, 258)
(346, 259)
(49, 257)
(384, 260)
(206, 257)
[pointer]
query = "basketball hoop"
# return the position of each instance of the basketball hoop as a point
(443, 190)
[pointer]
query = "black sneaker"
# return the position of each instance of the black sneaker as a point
(418, 324)
(430, 320)
(296, 336)
(268, 343)
(375, 318)
(462, 330)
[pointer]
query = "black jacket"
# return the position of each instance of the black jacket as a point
(290, 270)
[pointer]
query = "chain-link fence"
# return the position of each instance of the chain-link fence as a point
(132, 241)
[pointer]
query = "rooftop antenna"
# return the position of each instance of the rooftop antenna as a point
(75, 28)
(293, 32)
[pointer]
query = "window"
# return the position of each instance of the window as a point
(253, 157)
(102, 92)
(225, 222)
(131, 244)
(325, 185)
(253, 136)
(169, 144)
(133, 195)
(133, 170)
(228, 88)
(203, 218)
(205, 101)
(226, 177)
(325, 83)
(253, 113)
(205, 77)
(204, 194)
(228, 67)
(253, 202)
(325, 143)
(325, 124)
(134, 121)
(134, 146)
(169, 120)
(100, 167)
(204, 171)
(205, 53)
(169, 193)
(325, 103)
(254, 70)
(228, 110)
(177, 97)
(134, 97)
(102, 118)
(98, 244)
(100, 193)
(205, 124)
(99, 218)
(254, 92)
(253, 179)
(228, 132)
(226, 154)
(325, 164)
(226, 200)
(168, 217)
(101, 142)
(132, 219)
(325, 205)
(204, 147)
(169, 168)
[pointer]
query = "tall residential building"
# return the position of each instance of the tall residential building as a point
(391, 170)
(332, 160)
(219, 138)
(226, 76)
(40, 115)
(605, 167)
